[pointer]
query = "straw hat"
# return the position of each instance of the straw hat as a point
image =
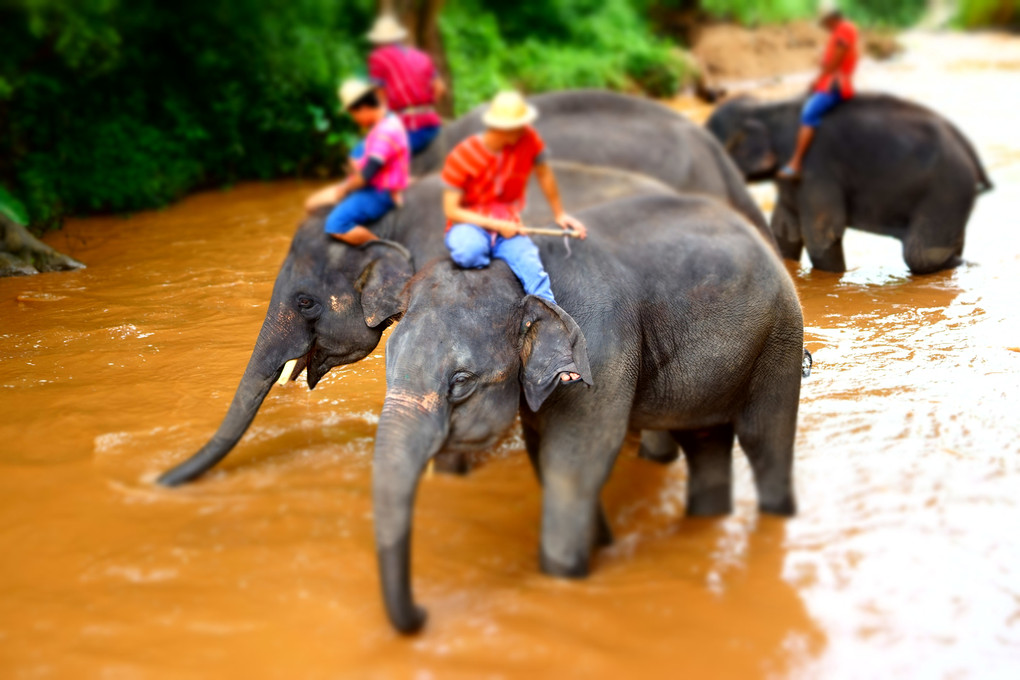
(386, 30)
(509, 111)
(352, 90)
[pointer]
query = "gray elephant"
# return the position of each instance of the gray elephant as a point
(331, 302)
(877, 163)
(600, 128)
(315, 267)
(690, 324)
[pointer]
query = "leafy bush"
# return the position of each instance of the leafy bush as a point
(540, 46)
(110, 105)
(974, 13)
(864, 12)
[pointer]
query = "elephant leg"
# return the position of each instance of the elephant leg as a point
(935, 235)
(604, 535)
(767, 426)
(822, 223)
(786, 228)
(658, 446)
(709, 455)
(452, 463)
(575, 464)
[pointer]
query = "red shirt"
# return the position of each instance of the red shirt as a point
(844, 34)
(493, 182)
(407, 75)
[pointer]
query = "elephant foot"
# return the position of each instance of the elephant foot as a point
(553, 567)
(712, 502)
(659, 447)
(782, 507)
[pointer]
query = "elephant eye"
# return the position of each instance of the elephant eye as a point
(308, 306)
(462, 384)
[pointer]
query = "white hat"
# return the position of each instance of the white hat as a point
(386, 29)
(509, 111)
(352, 90)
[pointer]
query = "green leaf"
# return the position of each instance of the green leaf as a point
(12, 208)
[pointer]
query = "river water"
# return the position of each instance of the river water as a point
(903, 562)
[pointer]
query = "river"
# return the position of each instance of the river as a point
(903, 561)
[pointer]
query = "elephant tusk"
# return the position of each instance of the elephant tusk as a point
(288, 371)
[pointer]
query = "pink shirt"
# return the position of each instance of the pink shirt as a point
(407, 75)
(387, 143)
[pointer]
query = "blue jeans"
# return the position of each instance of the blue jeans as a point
(817, 105)
(419, 139)
(472, 247)
(359, 208)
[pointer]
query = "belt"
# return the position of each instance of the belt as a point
(425, 108)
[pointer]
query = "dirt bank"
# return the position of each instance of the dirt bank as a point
(727, 52)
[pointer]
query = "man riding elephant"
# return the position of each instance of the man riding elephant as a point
(832, 86)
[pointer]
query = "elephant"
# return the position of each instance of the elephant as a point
(331, 302)
(314, 263)
(690, 324)
(877, 163)
(630, 133)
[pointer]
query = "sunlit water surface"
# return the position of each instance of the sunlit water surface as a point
(903, 562)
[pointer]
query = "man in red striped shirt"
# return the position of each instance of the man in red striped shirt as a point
(410, 79)
(486, 176)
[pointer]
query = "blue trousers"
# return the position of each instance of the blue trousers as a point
(359, 208)
(472, 247)
(817, 105)
(419, 139)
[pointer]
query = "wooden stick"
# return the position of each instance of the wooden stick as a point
(540, 231)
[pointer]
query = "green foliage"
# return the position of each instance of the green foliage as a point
(864, 12)
(975, 13)
(752, 12)
(12, 208)
(540, 46)
(121, 105)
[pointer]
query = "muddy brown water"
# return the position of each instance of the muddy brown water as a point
(903, 562)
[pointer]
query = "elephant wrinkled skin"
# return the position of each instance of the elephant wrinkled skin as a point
(690, 325)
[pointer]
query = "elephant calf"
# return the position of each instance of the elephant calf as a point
(691, 325)
(877, 163)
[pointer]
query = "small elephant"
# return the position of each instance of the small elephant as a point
(689, 325)
(877, 163)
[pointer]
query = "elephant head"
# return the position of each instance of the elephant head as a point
(468, 347)
(330, 305)
(747, 137)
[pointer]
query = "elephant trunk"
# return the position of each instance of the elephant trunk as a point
(407, 437)
(275, 346)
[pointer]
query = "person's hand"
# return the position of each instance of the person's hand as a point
(507, 228)
(341, 191)
(568, 222)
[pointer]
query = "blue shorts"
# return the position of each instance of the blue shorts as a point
(359, 208)
(817, 105)
(420, 139)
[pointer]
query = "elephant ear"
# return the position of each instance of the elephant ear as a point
(386, 269)
(552, 344)
(751, 147)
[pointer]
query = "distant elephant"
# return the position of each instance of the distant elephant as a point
(691, 324)
(331, 302)
(877, 163)
(595, 127)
